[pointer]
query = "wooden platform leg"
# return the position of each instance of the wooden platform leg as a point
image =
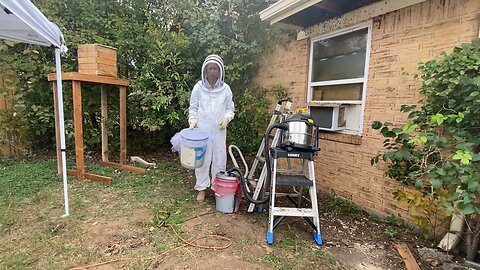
(123, 125)
(78, 126)
(57, 130)
(104, 123)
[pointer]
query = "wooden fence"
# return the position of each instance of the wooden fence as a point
(7, 146)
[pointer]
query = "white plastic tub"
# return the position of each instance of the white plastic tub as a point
(193, 146)
(192, 158)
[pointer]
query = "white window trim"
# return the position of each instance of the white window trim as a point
(338, 82)
(363, 80)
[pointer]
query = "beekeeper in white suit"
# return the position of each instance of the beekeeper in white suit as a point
(211, 109)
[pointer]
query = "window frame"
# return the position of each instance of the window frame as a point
(363, 80)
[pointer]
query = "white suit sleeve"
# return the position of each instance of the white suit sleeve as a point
(194, 103)
(229, 106)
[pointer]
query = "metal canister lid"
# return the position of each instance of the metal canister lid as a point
(300, 117)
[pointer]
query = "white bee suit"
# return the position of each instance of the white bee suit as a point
(208, 107)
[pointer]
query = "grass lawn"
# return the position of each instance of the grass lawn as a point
(122, 221)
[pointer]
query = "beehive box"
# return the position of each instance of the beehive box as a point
(97, 59)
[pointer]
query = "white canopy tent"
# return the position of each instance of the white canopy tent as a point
(21, 21)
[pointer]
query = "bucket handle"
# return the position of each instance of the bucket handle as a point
(203, 151)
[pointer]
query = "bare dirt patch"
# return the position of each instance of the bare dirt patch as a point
(116, 236)
(356, 240)
(123, 221)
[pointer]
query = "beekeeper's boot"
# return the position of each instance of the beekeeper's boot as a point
(201, 196)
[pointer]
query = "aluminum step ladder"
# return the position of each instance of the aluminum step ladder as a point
(260, 159)
(306, 180)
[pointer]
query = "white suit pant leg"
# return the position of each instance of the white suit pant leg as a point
(201, 174)
(219, 158)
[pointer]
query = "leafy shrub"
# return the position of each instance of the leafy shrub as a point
(251, 119)
(437, 152)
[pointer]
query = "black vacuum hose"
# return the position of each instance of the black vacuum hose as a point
(268, 179)
(243, 182)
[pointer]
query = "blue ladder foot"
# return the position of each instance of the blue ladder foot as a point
(318, 238)
(260, 210)
(269, 238)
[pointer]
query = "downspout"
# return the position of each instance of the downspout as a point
(452, 237)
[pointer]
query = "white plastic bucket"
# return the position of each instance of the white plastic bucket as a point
(193, 148)
(192, 158)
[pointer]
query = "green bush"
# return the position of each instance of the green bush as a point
(253, 112)
(437, 152)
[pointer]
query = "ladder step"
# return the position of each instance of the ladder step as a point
(293, 181)
(290, 172)
(262, 159)
(284, 194)
(294, 212)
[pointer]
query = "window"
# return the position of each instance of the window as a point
(337, 79)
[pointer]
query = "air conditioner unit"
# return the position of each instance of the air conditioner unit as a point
(331, 117)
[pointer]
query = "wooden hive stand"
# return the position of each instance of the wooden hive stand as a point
(97, 64)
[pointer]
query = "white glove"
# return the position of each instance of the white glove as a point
(224, 123)
(192, 123)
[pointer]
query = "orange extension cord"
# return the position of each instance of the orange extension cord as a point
(186, 243)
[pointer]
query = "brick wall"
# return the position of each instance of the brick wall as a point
(287, 66)
(400, 40)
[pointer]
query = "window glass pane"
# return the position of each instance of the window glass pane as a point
(338, 92)
(340, 57)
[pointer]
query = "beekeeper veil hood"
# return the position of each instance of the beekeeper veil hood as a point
(215, 59)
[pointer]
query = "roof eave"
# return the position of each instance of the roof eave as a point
(285, 8)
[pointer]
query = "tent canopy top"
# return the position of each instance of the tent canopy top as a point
(21, 21)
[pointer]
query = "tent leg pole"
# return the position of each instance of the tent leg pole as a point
(62, 129)
(57, 130)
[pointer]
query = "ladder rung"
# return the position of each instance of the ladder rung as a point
(262, 159)
(293, 212)
(284, 194)
(290, 172)
(293, 181)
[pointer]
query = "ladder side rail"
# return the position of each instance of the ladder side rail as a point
(276, 138)
(259, 154)
(263, 175)
(271, 212)
(313, 198)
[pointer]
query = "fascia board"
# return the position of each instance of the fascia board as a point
(357, 16)
(285, 8)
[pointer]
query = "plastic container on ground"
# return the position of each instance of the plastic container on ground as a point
(227, 193)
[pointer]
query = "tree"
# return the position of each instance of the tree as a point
(160, 47)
